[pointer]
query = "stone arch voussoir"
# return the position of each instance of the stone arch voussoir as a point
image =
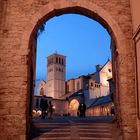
(54, 7)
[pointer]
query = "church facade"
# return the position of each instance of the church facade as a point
(84, 89)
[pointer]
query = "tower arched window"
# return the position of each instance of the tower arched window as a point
(62, 62)
(56, 60)
(59, 61)
(51, 61)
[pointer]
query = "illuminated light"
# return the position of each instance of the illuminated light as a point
(34, 112)
(38, 112)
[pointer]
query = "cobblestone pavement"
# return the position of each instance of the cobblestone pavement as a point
(73, 128)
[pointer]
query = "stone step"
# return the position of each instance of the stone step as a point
(51, 124)
(72, 131)
(48, 123)
(93, 127)
(95, 135)
(90, 133)
(98, 132)
(100, 125)
(93, 138)
(97, 124)
(52, 127)
(94, 130)
(55, 133)
(53, 138)
(54, 130)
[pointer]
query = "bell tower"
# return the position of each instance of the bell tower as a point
(56, 73)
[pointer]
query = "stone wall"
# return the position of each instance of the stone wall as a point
(60, 106)
(136, 38)
(19, 22)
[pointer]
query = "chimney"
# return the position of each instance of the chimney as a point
(98, 67)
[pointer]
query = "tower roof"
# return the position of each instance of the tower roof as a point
(56, 54)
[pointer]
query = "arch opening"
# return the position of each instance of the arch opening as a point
(80, 11)
(77, 10)
(73, 107)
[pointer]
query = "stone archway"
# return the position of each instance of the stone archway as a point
(73, 107)
(28, 16)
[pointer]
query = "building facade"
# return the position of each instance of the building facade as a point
(100, 107)
(93, 85)
(56, 87)
(84, 89)
(60, 106)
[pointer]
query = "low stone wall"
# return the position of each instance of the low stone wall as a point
(60, 106)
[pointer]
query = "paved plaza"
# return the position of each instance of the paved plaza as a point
(74, 128)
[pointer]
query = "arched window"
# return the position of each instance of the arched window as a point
(51, 60)
(109, 70)
(62, 62)
(59, 61)
(56, 60)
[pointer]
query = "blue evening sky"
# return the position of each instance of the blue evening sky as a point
(83, 41)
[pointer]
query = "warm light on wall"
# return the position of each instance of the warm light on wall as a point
(74, 104)
(104, 81)
(54, 107)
